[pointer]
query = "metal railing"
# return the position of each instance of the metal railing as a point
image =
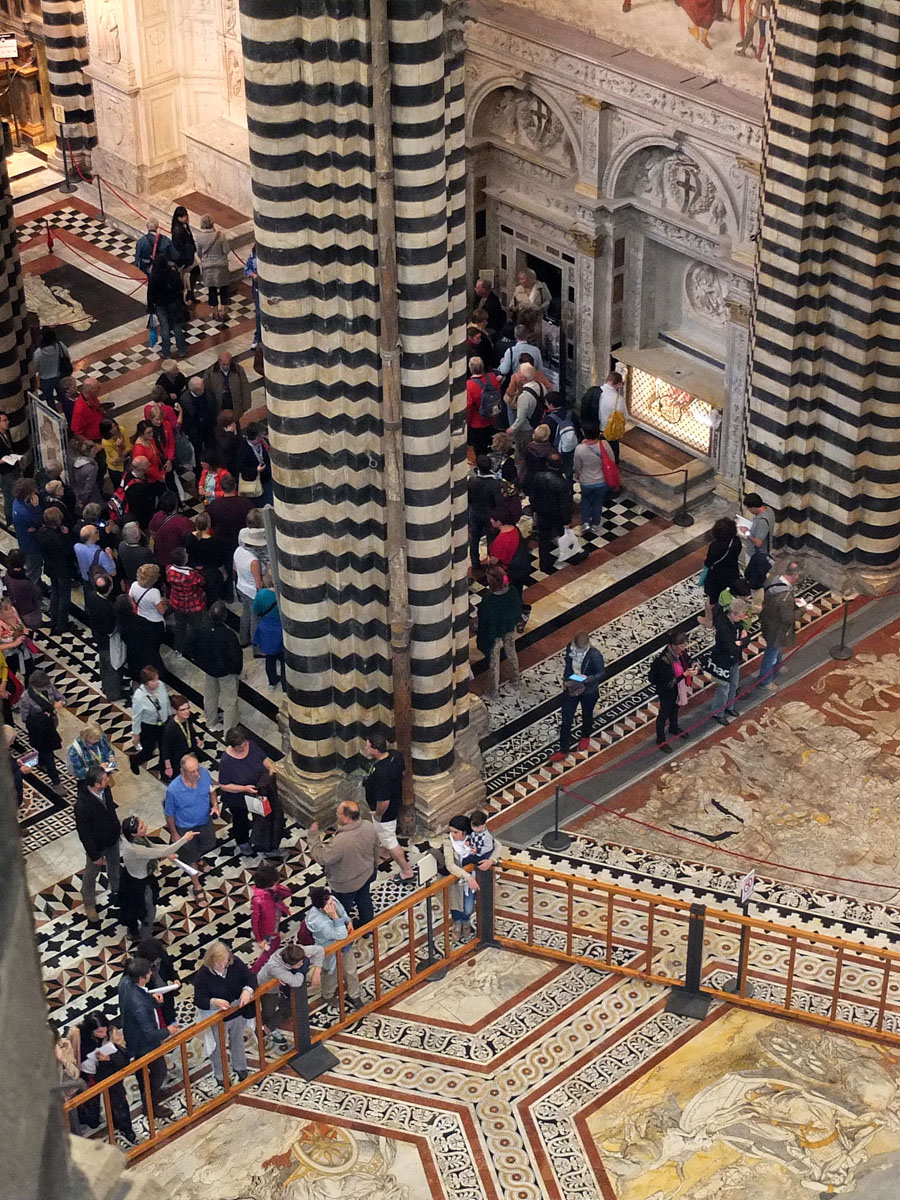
(701, 953)
(409, 943)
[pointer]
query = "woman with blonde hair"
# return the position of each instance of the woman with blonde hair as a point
(529, 305)
(212, 254)
(222, 982)
(150, 606)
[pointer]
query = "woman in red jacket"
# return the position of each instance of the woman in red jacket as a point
(145, 447)
(267, 908)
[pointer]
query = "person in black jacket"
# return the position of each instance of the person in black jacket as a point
(98, 831)
(180, 736)
(164, 974)
(97, 1032)
(582, 672)
(551, 503)
(221, 983)
(721, 563)
(185, 251)
(216, 649)
(165, 300)
(667, 672)
(59, 566)
(99, 608)
(485, 494)
(725, 657)
(137, 1009)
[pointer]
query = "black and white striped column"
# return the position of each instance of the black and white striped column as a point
(15, 337)
(823, 442)
(309, 107)
(65, 37)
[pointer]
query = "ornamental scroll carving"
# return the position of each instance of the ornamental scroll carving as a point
(672, 181)
(525, 120)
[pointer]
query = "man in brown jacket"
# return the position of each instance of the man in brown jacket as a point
(350, 859)
(227, 386)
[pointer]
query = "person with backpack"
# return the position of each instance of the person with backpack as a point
(564, 433)
(777, 623)
(759, 543)
(92, 559)
(669, 676)
(594, 466)
(52, 364)
(483, 406)
(598, 406)
(583, 671)
(529, 404)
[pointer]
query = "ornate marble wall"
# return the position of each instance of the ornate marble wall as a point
(627, 179)
(169, 94)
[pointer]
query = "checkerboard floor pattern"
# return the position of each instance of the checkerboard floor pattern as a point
(240, 311)
(90, 229)
(620, 516)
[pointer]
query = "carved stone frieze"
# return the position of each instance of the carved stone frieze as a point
(672, 180)
(507, 49)
(585, 244)
(738, 313)
(705, 289)
(523, 119)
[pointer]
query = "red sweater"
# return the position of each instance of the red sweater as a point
(86, 419)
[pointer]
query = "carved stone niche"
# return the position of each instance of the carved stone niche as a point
(523, 121)
(671, 181)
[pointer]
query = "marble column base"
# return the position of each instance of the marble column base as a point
(97, 1171)
(315, 797)
(848, 578)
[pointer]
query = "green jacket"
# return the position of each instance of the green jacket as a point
(498, 614)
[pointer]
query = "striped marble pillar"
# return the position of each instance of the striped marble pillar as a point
(825, 405)
(67, 55)
(15, 335)
(310, 116)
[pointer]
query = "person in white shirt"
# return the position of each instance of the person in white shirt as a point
(249, 578)
(530, 395)
(150, 709)
(598, 405)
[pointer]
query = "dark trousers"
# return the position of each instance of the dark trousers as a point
(275, 669)
(480, 439)
(614, 446)
(240, 818)
(479, 527)
(588, 701)
(60, 599)
(185, 623)
(218, 296)
(157, 1073)
(361, 900)
(548, 532)
(110, 678)
(667, 715)
(151, 737)
(47, 763)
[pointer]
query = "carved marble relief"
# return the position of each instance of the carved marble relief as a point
(705, 290)
(524, 120)
(671, 180)
(109, 45)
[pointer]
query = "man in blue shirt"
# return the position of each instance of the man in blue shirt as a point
(27, 519)
(153, 242)
(191, 803)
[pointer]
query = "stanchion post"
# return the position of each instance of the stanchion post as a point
(843, 651)
(432, 956)
(100, 200)
(486, 886)
(556, 839)
(683, 517)
(739, 985)
(310, 1061)
(688, 1000)
(67, 186)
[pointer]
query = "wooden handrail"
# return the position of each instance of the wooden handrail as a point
(712, 914)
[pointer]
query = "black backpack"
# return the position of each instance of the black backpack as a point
(491, 401)
(539, 402)
(758, 567)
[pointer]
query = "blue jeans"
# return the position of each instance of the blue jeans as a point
(592, 499)
(258, 334)
(51, 391)
(169, 324)
(468, 906)
(727, 690)
(771, 664)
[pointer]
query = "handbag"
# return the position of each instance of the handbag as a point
(567, 545)
(258, 805)
(117, 652)
(718, 671)
(153, 327)
(250, 487)
(614, 429)
(610, 471)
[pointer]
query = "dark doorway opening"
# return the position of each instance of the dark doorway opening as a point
(552, 276)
